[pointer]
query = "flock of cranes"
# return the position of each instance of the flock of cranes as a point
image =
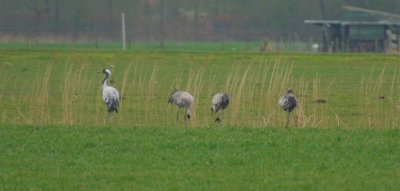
(220, 101)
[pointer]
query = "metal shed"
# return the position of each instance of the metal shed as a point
(362, 30)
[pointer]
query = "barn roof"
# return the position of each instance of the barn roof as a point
(360, 16)
(343, 23)
(373, 14)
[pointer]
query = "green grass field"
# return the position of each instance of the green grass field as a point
(63, 87)
(137, 158)
(182, 46)
(55, 134)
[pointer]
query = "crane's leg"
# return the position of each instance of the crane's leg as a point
(212, 116)
(185, 117)
(110, 117)
(177, 113)
(220, 117)
(288, 118)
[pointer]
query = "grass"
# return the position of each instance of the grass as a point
(154, 158)
(223, 46)
(185, 46)
(43, 87)
(55, 134)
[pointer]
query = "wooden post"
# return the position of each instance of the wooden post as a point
(196, 20)
(162, 15)
(342, 38)
(376, 45)
(322, 9)
(398, 40)
(123, 32)
(325, 39)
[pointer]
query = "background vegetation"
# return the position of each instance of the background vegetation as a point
(152, 20)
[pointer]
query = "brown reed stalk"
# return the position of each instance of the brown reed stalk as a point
(124, 95)
(66, 96)
(149, 99)
(43, 97)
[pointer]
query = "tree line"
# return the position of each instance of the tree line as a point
(172, 19)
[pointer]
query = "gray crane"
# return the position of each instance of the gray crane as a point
(183, 100)
(219, 103)
(110, 95)
(288, 102)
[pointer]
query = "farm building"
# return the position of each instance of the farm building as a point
(361, 30)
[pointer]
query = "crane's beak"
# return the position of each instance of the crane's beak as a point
(99, 72)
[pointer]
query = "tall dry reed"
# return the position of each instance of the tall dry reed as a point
(73, 96)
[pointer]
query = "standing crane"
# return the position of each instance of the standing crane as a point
(182, 100)
(110, 95)
(288, 102)
(219, 103)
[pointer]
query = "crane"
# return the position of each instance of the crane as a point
(219, 103)
(288, 103)
(110, 95)
(183, 100)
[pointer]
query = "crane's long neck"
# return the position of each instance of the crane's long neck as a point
(104, 82)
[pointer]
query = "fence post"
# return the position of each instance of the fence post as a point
(123, 32)
(398, 41)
